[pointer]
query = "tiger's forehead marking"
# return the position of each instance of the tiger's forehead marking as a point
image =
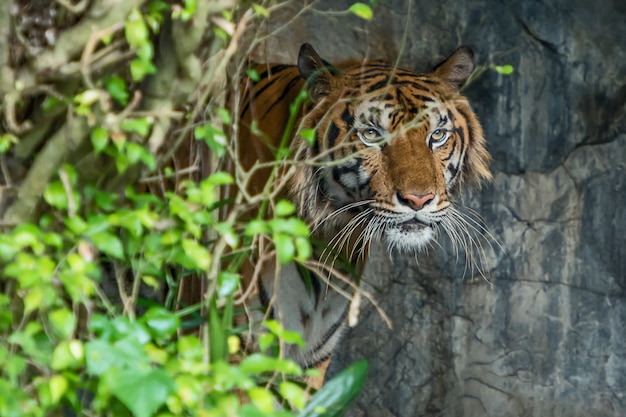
(376, 112)
(383, 110)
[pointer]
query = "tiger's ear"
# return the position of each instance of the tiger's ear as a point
(457, 68)
(317, 72)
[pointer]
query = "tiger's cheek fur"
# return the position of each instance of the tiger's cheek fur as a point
(375, 164)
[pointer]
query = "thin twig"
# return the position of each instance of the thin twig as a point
(5, 171)
(90, 46)
(120, 278)
(71, 203)
(177, 173)
(319, 266)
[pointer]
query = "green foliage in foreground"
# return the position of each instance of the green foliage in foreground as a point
(67, 345)
(91, 318)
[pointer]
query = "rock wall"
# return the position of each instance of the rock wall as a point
(543, 333)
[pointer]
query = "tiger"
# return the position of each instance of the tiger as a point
(391, 150)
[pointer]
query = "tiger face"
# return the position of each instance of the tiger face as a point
(393, 148)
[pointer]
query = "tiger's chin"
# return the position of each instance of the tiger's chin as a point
(408, 236)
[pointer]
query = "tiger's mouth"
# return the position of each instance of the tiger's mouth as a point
(411, 226)
(409, 235)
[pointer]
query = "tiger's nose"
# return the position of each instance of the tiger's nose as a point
(416, 202)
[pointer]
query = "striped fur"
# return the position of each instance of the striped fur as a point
(392, 148)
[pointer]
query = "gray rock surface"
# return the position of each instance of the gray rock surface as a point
(543, 334)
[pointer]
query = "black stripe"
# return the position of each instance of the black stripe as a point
(394, 118)
(460, 129)
(316, 144)
(429, 81)
(369, 73)
(422, 97)
(347, 117)
(261, 90)
(378, 85)
(264, 298)
(453, 170)
(286, 91)
(313, 279)
(470, 132)
(451, 116)
(274, 70)
(329, 333)
(333, 134)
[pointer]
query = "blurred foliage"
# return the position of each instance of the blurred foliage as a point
(104, 224)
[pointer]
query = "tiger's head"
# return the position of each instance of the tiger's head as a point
(392, 148)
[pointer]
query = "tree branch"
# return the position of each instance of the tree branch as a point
(71, 42)
(67, 139)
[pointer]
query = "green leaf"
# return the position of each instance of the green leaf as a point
(50, 103)
(190, 9)
(161, 323)
(68, 355)
(258, 363)
(58, 387)
(63, 322)
(285, 208)
(334, 398)
(224, 115)
(109, 244)
(220, 178)
(133, 152)
(308, 135)
(293, 393)
(136, 30)
(218, 341)
(255, 227)
(105, 200)
(140, 125)
(116, 86)
(99, 139)
(198, 253)
(121, 162)
(262, 399)
(228, 233)
(190, 347)
(14, 367)
(285, 248)
(142, 392)
(504, 69)
(260, 10)
(291, 226)
(214, 137)
(227, 283)
(304, 249)
(126, 353)
(76, 225)
(56, 196)
(286, 335)
(6, 315)
(145, 52)
(87, 97)
(6, 141)
(100, 356)
(27, 235)
(266, 340)
(294, 338)
(361, 10)
(253, 74)
(140, 68)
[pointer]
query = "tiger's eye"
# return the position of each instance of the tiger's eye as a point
(438, 134)
(370, 134)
